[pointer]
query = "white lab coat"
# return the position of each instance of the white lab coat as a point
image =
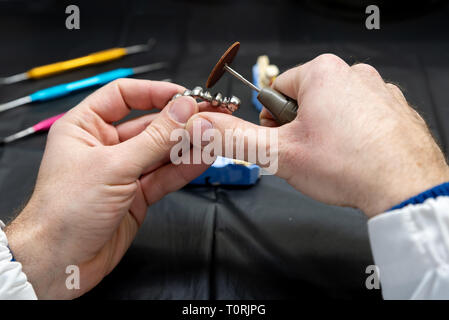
(410, 247)
(13, 282)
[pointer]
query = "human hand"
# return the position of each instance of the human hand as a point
(355, 141)
(96, 181)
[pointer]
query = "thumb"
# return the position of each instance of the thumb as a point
(153, 144)
(232, 137)
(289, 82)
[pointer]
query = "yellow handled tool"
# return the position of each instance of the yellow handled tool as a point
(93, 58)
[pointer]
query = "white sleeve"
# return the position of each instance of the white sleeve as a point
(411, 249)
(13, 282)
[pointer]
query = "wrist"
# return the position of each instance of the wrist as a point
(35, 248)
(402, 190)
(432, 193)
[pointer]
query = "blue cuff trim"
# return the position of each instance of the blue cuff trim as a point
(12, 259)
(439, 190)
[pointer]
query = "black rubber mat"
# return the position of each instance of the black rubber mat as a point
(267, 241)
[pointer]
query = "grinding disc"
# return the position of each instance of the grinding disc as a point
(226, 58)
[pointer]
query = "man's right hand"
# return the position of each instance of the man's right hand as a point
(355, 141)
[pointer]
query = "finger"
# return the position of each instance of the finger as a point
(153, 144)
(169, 178)
(289, 81)
(133, 127)
(266, 119)
(323, 67)
(138, 208)
(114, 101)
(156, 165)
(235, 138)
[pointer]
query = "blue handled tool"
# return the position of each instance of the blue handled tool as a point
(67, 88)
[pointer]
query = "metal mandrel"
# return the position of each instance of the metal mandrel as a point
(283, 108)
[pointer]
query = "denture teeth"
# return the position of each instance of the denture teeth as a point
(234, 103)
(217, 100)
(208, 96)
(196, 92)
(176, 96)
(225, 101)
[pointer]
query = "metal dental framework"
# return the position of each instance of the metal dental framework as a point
(217, 100)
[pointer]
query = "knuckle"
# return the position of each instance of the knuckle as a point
(394, 87)
(111, 91)
(117, 82)
(326, 66)
(396, 91)
(329, 60)
(418, 117)
(116, 86)
(366, 69)
(158, 136)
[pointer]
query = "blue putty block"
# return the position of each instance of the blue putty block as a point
(225, 171)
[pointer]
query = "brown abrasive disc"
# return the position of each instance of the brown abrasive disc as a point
(218, 70)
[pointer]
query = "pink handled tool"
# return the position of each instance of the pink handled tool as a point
(40, 126)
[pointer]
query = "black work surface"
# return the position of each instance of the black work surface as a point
(268, 241)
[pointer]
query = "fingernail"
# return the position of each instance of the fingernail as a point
(196, 128)
(205, 124)
(182, 109)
